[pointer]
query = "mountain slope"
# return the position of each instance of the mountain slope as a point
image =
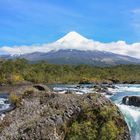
(68, 56)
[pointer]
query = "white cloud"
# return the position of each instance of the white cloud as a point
(75, 41)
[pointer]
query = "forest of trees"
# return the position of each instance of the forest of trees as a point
(20, 70)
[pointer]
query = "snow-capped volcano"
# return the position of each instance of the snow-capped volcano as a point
(73, 48)
(75, 41)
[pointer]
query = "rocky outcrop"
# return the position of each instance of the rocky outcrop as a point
(44, 115)
(103, 89)
(131, 100)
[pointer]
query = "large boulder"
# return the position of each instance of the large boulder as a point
(131, 100)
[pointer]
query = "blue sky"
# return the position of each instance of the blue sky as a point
(27, 22)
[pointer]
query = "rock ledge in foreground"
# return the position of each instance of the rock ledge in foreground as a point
(48, 116)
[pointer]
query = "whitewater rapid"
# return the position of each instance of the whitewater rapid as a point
(131, 113)
(4, 104)
(132, 117)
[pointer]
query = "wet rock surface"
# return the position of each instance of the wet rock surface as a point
(43, 115)
(131, 100)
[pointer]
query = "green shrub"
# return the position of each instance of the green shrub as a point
(82, 131)
(97, 123)
(109, 131)
(15, 99)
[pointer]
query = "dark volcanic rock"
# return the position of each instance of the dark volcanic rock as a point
(47, 116)
(115, 81)
(131, 100)
(70, 92)
(41, 87)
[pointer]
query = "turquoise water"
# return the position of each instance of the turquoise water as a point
(131, 113)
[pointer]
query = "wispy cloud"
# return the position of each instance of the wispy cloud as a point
(135, 14)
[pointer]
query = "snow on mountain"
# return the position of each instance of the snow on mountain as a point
(72, 37)
(73, 40)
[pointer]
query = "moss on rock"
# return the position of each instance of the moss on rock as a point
(97, 121)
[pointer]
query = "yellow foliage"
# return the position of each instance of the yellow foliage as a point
(17, 78)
